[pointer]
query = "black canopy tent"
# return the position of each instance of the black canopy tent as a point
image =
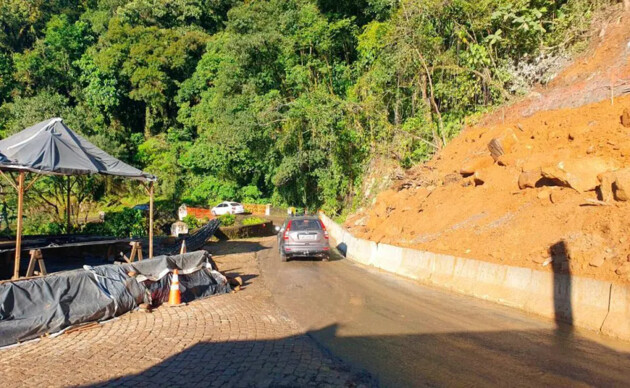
(51, 148)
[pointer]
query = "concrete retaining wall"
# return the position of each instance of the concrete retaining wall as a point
(585, 303)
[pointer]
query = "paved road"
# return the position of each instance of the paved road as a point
(232, 340)
(412, 335)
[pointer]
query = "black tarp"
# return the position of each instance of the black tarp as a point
(50, 147)
(33, 307)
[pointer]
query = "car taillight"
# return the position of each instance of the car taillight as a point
(324, 229)
(286, 231)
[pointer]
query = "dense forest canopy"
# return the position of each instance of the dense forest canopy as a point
(281, 101)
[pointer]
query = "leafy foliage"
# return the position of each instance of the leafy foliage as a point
(125, 223)
(253, 221)
(192, 222)
(282, 101)
(227, 219)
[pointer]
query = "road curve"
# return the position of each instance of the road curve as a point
(408, 334)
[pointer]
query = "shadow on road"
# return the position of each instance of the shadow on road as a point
(231, 247)
(519, 358)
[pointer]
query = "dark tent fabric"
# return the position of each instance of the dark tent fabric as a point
(50, 147)
(33, 307)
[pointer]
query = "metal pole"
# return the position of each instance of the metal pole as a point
(150, 220)
(18, 234)
(68, 205)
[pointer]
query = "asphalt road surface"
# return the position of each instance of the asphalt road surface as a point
(407, 334)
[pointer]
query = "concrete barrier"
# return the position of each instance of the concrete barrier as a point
(617, 323)
(583, 302)
(442, 269)
(490, 281)
(516, 287)
(388, 257)
(590, 301)
(362, 251)
(416, 265)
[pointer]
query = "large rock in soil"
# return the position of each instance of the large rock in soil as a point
(528, 179)
(503, 144)
(579, 174)
(606, 187)
(474, 165)
(625, 118)
(622, 184)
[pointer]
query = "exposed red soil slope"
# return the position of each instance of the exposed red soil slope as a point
(466, 204)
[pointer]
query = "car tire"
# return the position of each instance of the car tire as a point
(326, 258)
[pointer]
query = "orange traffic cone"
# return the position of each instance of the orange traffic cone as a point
(175, 296)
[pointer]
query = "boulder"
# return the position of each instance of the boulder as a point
(502, 144)
(622, 184)
(471, 166)
(597, 261)
(606, 186)
(528, 179)
(625, 118)
(579, 174)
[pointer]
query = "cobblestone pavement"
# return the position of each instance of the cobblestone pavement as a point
(239, 339)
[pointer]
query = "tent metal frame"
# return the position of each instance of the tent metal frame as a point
(21, 190)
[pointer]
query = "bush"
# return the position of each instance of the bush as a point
(192, 221)
(253, 221)
(40, 223)
(125, 223)
(227, 219)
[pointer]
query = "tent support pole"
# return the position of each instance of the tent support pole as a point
(18, 235)
(150, 220)
(68, 205)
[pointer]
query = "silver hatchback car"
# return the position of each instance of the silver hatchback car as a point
(303, 236)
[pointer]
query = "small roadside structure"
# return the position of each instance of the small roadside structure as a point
(51, 148)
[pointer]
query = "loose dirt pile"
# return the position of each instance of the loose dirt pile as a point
(539, 190)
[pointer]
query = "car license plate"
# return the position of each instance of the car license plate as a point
(308, 237)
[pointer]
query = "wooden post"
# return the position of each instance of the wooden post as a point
(18, 234)
(150, 220)
(68, 205)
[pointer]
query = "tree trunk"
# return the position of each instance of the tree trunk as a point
(148, 122)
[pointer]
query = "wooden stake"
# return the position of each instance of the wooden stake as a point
(18, 234)
(151, 220)
(182, 250)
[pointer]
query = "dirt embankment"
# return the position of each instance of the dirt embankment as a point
(530, 187)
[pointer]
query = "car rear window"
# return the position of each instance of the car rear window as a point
(305, 225)
(235, 204)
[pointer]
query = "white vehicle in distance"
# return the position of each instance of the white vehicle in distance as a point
(228, 207)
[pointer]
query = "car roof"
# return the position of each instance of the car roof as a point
(296, 218)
